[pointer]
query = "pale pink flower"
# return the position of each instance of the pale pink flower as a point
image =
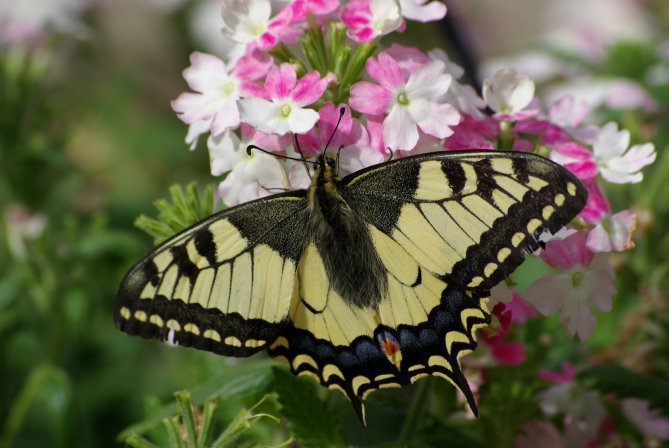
(581, 409)
(28, 21)
(540, 435)
(22, 227)
(416, 102)
(214, 106)
(651, 423)
(250, 176)
(586, 280)
(409, 59)
(302, 8)
(613, 232)
(508, 94)
(569, 113)
(250, 22)
(285, 109)
(369, 19)
(422, 10)
(616, 162)
(463, 97)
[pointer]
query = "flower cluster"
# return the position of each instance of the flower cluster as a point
(292, 69)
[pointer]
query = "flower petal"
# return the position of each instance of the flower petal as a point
(399, 130)
(385, 71)
(370, 98)
(309, 89)
(281, 81)
(430, 81)
(439, 120)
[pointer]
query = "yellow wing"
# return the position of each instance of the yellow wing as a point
(447, 228)
(224, 285)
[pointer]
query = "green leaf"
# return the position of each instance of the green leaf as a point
(249, 378)
(308, 419)
(625, 383)
(185, 207)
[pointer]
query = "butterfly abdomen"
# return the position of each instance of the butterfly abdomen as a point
(353, 267)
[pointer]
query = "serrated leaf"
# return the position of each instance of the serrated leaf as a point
(625, 383)
(308, 419)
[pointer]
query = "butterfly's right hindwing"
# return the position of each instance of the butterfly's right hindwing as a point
(225, 285)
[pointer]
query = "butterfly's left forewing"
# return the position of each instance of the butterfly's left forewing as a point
(225, 285)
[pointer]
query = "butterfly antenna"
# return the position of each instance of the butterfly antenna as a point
(342, 111)
(280, 156)
(304, 159)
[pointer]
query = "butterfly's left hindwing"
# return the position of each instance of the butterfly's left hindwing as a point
(225, 285)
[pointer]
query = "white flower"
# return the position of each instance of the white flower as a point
(613, 232)
(462, 96)
(508, 92)
(617, 163)
(214, 106)
(250, 176)
(423, 10)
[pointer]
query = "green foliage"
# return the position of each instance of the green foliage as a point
(625, 383)
(308, 418)
(194, 428)
(185, 207)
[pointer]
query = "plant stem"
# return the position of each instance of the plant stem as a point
(415, 413)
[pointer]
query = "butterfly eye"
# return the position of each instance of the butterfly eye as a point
(331, 163)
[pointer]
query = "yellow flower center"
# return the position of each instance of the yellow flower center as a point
(576, 279)
(403, 99)
(285, 110)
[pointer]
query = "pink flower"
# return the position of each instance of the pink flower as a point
(565, 376)
(540, 435)
(463, 97)
(302, 8)
(410, 104)
(650, 422)
(369, 19)
(576, 159)
(214, 107)
(250, 176)
(520, 310)
(422, 10)
(505, 353)
(613, 232)
(586, 280)
(350, 136)
(285, 110)
(471, 133)
(249, 22)
(597, 204)
(617, 163)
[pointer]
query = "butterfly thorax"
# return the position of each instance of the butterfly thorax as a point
(341, 236)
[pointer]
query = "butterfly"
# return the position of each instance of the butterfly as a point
(369, 281)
